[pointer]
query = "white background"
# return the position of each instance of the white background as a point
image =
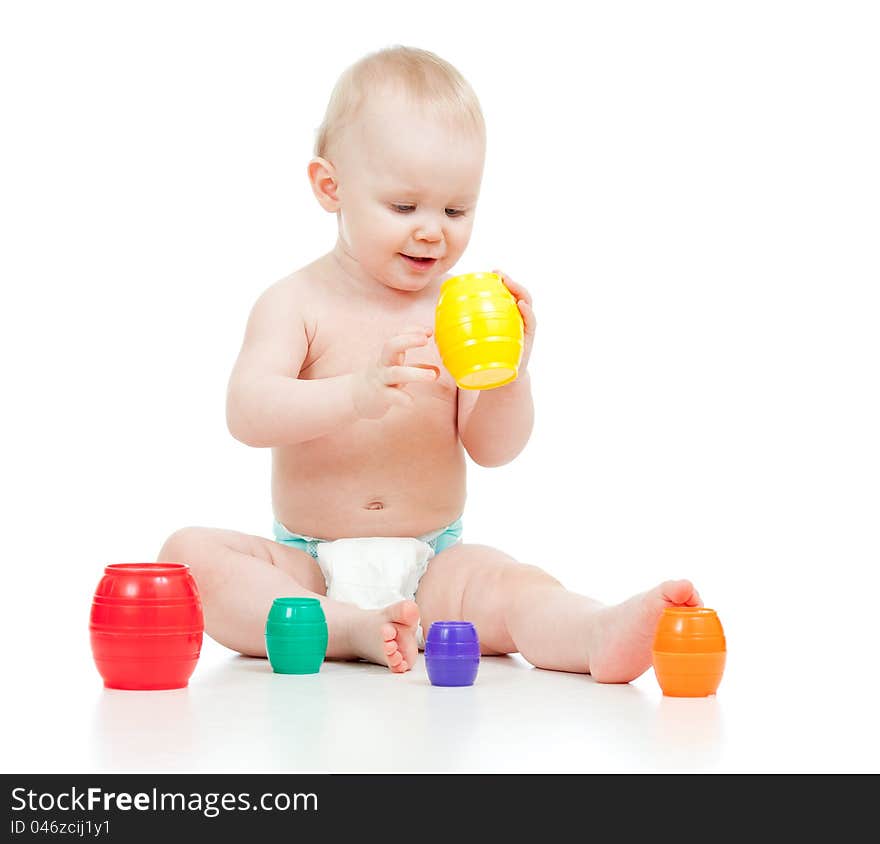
(690, 192)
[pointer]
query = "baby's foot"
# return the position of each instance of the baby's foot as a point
(623, 634)
(388, 636)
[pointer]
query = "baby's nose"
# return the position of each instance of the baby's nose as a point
(430, 232)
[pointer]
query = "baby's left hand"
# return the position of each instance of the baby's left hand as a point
(524, 303)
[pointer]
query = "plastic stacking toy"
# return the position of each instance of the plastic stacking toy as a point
(296, 636)
(479, 331)
(146, 626)
(689, 652)
(452, 653)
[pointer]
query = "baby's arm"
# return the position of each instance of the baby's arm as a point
(494, 425)
(268, 405)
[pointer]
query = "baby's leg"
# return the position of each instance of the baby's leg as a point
(520, 608)
(239, 576)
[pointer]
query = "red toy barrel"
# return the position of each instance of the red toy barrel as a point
(146, 626)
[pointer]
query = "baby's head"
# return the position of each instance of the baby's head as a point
(399, 160)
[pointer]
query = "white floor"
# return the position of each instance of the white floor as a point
(237, 715)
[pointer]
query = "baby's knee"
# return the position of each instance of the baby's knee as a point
(524, 576)
(181, 546)
(196, 547)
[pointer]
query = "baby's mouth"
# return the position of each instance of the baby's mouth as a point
(418, 262)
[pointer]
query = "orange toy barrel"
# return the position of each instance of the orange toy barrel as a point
(689, 651)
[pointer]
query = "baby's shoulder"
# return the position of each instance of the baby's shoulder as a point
(297, 290)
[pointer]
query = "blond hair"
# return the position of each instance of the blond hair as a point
(426, 78)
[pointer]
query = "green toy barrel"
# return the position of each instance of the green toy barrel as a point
(296, 636)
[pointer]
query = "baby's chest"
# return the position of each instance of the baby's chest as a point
(434, 410)
(352, 345)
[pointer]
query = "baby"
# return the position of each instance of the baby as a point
(338, 374)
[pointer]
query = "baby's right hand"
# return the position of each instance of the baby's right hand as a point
(382, 385)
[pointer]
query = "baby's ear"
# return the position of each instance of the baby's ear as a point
(322, 177)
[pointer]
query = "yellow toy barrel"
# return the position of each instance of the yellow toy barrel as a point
(479, 331)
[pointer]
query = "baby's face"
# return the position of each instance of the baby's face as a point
(408, 189)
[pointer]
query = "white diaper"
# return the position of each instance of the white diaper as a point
(375, 571)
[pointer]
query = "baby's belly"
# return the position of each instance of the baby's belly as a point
(375, 478)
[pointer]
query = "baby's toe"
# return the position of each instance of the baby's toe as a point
(680, 593)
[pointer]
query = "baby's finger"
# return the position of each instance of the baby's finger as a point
(398, 345)
(530, 322)
(435, 370)
(425, 374)
(417, 328)
(518, 291)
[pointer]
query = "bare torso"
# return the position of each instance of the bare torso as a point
(401, 475)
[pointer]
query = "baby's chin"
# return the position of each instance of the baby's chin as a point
(406, 276)
(408, 286)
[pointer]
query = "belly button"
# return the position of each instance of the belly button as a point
(375, 505)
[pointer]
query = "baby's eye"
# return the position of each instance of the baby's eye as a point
(403, 209)
(455, 212)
